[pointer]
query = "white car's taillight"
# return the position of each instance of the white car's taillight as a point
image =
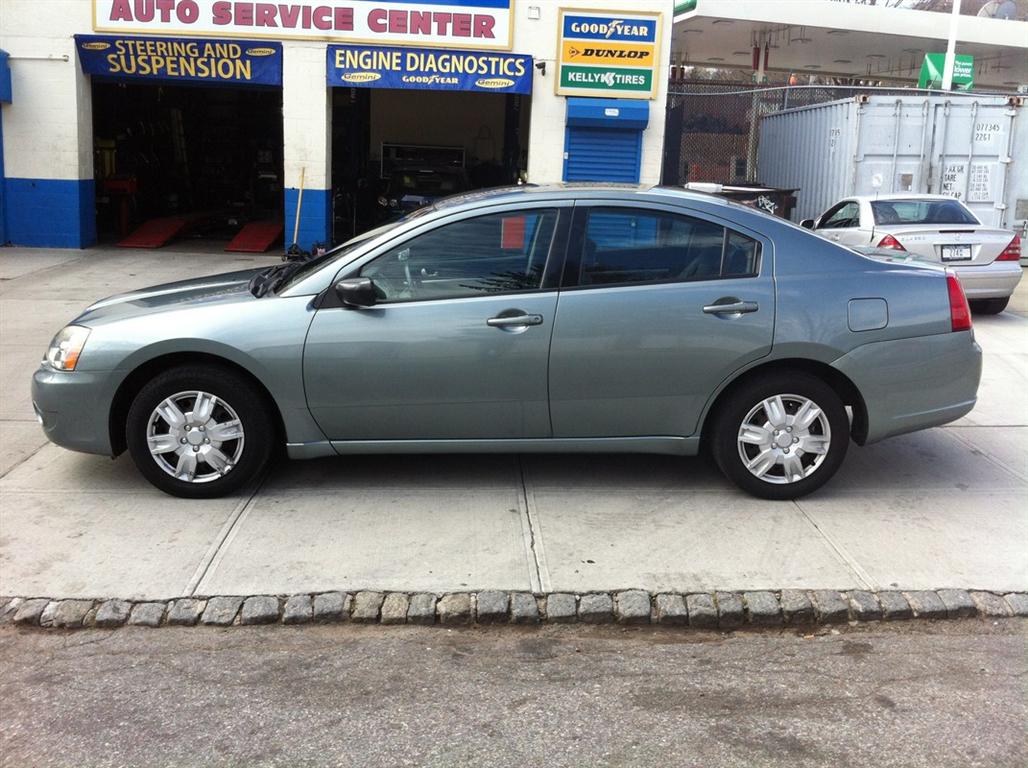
(1012, 252)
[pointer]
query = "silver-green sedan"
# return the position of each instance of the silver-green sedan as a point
(530, 319)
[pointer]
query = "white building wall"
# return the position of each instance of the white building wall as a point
(48, 136)
(47, 130)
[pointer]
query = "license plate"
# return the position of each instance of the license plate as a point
(956, 252)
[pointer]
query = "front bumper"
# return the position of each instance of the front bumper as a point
(989, 281)
(74, 407)
(912, 384)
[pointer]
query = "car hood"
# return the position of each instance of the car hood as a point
(230, 287)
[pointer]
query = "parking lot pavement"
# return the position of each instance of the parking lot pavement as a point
(941, 508)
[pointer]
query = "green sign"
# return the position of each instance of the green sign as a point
(932, 68)
(608, 79)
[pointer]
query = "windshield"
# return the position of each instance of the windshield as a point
(309, 267)
(921, 212)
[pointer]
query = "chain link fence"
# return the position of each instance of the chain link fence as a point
(713, 128)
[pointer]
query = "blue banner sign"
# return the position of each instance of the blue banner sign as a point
(181, 59)
(359, 66)
(630, 30)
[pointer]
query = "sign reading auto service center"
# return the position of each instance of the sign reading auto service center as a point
(601, 54)
(481, 24)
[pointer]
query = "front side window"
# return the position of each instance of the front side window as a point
(842, 216)
(921, 212)
(635, 246)
(498, 253)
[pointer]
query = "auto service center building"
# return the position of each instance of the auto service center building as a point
(140, 118)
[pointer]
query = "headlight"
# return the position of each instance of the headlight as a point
(66, 348)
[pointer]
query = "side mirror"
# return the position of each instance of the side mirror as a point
(356, 292)
(807, 223)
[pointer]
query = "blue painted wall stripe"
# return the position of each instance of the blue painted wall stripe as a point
(51, 213)
(315, 217)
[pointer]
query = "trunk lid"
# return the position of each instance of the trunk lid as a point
(951, 244)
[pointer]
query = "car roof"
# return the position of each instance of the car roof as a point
(900, 196)
(578, 191)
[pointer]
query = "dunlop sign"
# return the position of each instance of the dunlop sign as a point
(608, 55)
(361, 66)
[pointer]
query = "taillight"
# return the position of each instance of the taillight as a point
(959, 311)
(1012, 252)
(891, 242)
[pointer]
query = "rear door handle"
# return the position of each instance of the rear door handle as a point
(514, 321)
(731, 307)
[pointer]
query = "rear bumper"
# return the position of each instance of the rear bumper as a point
(912, 384)
(73, 408)
(990, 281)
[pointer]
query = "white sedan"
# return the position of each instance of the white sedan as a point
(932, 228)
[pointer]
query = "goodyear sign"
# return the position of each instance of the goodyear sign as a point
(608, 55)
(181, 59)
(358, 66)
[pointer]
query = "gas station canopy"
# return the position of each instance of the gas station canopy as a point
(851, 40)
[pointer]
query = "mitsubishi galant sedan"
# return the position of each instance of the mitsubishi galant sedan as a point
(529, 319)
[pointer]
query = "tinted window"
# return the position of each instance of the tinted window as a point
(499, 253)
(921, 212)
(631, 246)
(841, 216)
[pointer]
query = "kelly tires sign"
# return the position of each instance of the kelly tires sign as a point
(602, 54)
(357, 66)
(481, 24)
(253, 62)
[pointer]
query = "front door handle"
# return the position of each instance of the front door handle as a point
(514, 321)
(731, 306)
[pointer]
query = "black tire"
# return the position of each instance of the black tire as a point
(233, 391)
(749, 395)
(989, 306)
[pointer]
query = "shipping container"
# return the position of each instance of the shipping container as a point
(974, 148)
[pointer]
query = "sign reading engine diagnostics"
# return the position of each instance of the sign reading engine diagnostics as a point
(603, 54)
(482, 24)
(359, 66)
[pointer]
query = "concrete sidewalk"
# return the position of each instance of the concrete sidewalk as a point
(942, 508)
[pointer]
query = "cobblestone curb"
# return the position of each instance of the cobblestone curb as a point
(699, 610)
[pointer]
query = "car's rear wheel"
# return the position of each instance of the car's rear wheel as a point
(781, 436)
(989, 306)
(200, 431)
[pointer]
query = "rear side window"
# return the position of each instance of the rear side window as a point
(921, 212)
(623, 246)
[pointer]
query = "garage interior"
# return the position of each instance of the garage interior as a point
(186, 161)
(474, 140)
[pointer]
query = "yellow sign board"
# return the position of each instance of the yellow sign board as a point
(604, 53)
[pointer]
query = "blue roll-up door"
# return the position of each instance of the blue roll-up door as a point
(603, 141)
(602, 154)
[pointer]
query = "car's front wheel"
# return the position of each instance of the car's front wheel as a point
(781, 436)
(989, 306)
(200, 431)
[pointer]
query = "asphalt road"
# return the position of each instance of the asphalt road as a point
(947, 694)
